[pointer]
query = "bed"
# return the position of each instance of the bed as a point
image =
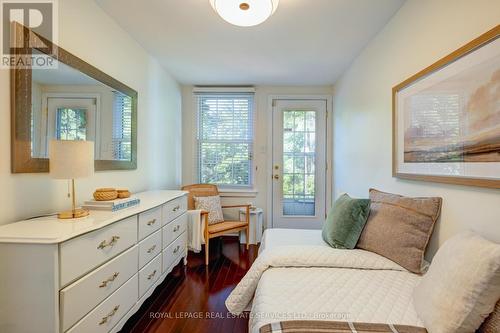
(299, 282)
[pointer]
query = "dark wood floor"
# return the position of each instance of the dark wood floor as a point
(191, 299)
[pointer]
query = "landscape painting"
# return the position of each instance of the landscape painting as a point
(457, 119)
(446, 118)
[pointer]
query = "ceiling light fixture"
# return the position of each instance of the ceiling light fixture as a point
(245, 13)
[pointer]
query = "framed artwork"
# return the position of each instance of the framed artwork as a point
(446, 118)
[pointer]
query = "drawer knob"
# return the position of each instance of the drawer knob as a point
(151, 249)
(177, 227)
(104, 244)
(150, 276)
(105, 319)
(108, 280)
(153, 221)
(176, 208)
(177, 249)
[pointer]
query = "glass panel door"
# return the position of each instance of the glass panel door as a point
(299, 173)
(70, 119)
(299, 158)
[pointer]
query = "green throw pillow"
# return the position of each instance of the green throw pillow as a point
(345, 222)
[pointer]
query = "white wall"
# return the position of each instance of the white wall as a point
(261, 149)
(86, 31)
(422, 32)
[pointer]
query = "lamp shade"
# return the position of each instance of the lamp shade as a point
(71, 159)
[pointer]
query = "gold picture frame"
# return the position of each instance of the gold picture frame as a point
(432, 158)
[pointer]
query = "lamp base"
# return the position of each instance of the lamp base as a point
(73, 214)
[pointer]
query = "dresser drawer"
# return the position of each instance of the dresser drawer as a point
(104, 317)
(79, 255)
(149, 248)
(173, 251)
(149, 275)
(173, 209)
(149, 222)
(172, 230)
(77, 299)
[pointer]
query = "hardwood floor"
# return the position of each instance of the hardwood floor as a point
(191, 299)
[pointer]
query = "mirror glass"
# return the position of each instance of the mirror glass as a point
(66, 104)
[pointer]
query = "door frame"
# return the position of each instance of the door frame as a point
(328, 155)
(65, 95)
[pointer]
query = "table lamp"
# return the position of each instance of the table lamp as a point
(71, 160)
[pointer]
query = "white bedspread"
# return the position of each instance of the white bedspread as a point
(290, 237)
(334, 294)
(313, 281)
(302, 256)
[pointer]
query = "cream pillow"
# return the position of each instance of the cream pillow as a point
(212, 205)
(461, 287)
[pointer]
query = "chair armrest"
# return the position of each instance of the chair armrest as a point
(202, 212)
(237, 206)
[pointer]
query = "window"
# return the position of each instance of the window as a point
(299, 160)
(71, 124)
(225, 139)
(122, 127)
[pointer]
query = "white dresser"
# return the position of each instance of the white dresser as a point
(89, 275)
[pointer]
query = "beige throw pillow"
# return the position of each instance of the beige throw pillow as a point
(399, 228)
(212, 205)
(462, 285)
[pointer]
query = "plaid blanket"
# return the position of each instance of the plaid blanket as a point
(318, 326)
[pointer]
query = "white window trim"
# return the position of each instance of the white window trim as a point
(44, 118)
(222, 90)
(237, 193)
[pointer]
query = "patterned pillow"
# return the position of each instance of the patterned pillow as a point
(212, 205)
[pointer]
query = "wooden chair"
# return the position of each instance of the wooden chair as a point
(221, 228)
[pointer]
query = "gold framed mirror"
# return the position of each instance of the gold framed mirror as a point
(71, 100)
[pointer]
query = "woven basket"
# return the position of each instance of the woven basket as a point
(105, 194)
(122, 194)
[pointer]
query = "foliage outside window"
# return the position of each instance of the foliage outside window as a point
(225, 139)
(71, 124)
(299, 159)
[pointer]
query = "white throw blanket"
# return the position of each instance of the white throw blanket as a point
(302, 256)
(195, 230)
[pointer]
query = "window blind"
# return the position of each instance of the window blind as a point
(122, 126)
(225, 139)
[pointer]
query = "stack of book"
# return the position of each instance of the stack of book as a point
(113, 205)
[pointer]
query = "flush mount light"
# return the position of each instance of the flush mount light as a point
(245, 13)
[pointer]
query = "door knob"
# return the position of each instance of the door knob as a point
(276, 177)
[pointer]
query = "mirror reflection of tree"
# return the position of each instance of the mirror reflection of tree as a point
(71, 124)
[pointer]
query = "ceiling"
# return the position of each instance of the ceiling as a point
(306, 42)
